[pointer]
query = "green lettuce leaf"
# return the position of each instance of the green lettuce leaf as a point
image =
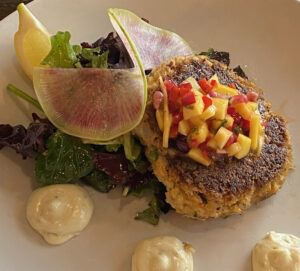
(96, 60)
(132, 148)
(99, 181)
(66, 160)
(62, 54)
(157, 204)
(151, 214)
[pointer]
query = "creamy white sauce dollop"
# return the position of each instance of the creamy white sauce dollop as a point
(163, 253)
(59, 212)
(277, 252)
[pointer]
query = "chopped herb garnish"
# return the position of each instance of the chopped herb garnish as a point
(153, 154)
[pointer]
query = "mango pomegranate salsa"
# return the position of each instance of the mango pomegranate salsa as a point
(208, 120)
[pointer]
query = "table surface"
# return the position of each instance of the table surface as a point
(8, 6)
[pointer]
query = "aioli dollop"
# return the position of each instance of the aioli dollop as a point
(59, 212)
(163, 253)
(277, 252)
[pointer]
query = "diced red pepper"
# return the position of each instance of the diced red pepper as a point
(188, 98)
(232, 85)
(186, 85)
(214, 83)
(173, 131)
(177, 118)
(230, 110)
(264, 123)
(246, 125)
(237, 99)
(184, 88)
(184, 91)
(169, 84)
(193, 143)
(232, 139)
(174, 108)
(207, 101)
(205, 85)
(252, 96)
(173, 94)
(157, 99)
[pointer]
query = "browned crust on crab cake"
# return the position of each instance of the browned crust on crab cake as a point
(226, 187)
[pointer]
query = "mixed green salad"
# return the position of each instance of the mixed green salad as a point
(61, 158)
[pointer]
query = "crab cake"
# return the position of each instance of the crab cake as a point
(227, 185)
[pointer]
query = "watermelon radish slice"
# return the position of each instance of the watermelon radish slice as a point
(95, 104)
(153, 44)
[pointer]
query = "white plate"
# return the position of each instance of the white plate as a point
(264, 35)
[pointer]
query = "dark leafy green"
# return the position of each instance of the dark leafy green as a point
(157, 204)
(240, 72)
(99, 181)
(217, 55)
(224, 57)
(66, 160)
(151, 214)
(62, 53)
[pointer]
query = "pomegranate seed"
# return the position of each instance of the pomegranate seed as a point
(252, 96)
(240, 98)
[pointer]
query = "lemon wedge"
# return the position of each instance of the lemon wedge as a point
(32, 41)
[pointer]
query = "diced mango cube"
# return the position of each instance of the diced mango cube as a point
(221, 107)
(226, 90)
(195, 109)
(245, 143)
(184, 127)
(212, 144)
(199, 132)
(159, 114)
(253, 105)
(233, 149)
(255, 128)
(208, 112)
(193, 82)
(222, 137)
(197, 155)
(229, 122)
(244, 110)
(215, 124)
(195, 121)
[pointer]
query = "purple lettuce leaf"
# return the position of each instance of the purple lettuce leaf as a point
(27, 142)
(118, 57)
(120, 170)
